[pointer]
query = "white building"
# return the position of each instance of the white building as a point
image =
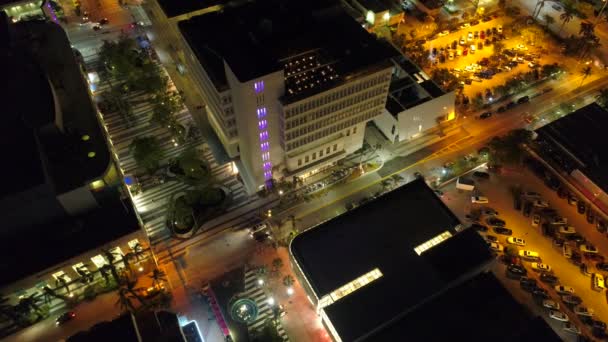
(289, 87)
(415, 104)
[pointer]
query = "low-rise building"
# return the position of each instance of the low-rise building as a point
(377, 13)
(63, 198)
(400, 266)
(574, 144)
(415, 103)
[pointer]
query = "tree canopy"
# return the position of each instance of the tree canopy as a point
(147, 152)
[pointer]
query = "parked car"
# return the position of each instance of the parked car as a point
(540, 293)
(581, 207)
(583, 311)
(562, 193)
(489, 211)
(572, 300)
(495, 222)
(564, 290)
(590, 216)
(64, 318)
(588, 248)
(481, 175)
(523, 99)
(529, 255)
(566, 230)
(541, 204)
(574, 237)
(540, 267)
(569, 327)
(602, 266)
(516, 241)
(503, 231)
(517, 269)
(600, 226)
(551, 304)
(491, 238)
(103, 21)
(528, 284)
(572, 200)
(558, 315)
(479, 227)
(548, 278)
(535, 220)
(531, 194)
(495, 246)
(479, 199)
(527, 208)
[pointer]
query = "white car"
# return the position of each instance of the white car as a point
(585, 248)
(583, 311)
(470, 36)
(444, 33)
(516, 241)
(567, 230)
(462, 40)
(558, 315)
(571, 328)
(479, 199)
(529, 255)
(551, 304)
(495, 246)
(564, 290)
(540, 267)
(499, 28)
(541, 204)
(465, 25)
(451, 56)
(535, 220)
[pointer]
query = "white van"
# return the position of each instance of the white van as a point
(597, 281)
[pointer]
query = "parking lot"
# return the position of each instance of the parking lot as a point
(498, 191)
(469, 52)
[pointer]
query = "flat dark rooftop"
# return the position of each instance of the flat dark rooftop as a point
(263, 34)
(63, 239)
(173, 8)
(39, 152)
(379, 5)
(581, 134)
(383, 234)
(478, 310)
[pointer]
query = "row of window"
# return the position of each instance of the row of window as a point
(327, 151)
(327, 110)
(333, 129)
(227, 99)
(229, 111)
(334, 118)
(304, 107)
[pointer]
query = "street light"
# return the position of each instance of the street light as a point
(260, 281)
(270, 301)
(290, 291)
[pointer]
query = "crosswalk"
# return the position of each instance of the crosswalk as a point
(257, 294)
(151, 202)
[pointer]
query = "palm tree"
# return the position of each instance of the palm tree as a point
(9, 311)
(61, 281)
(104, 273)
(586, 30)
(124, 300)
(137, 250)
(288, 280)
(397, 178)
(386, 184)
(49, 292)
(135, 292)
(566, 16)
(157, 277)
(585, 72)
(277, 263)
(30, 303)
(110, 257)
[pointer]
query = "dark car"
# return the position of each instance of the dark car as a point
(572, 300)
(511, 105)
(491, 238)
(598, 324)
(576, 237)
(474, 22)
(527, 208)
(501, 109)
(548, 278)
(503, 231)
(600, 226)
(599, 333)
(558, 242)
(481, 175)
(562, 193)
(602, 266)
(576, 258)
(96, 28)
(495, 222)
(594, 257)
(485, 115)
(528, 284)
(548, 230)
(517, 203)
(590, 216)
(262, 236)
(523, 99)
(517, 269)
(65, 317)
(479, 227)
(540, 293)
(581, 207)
(104, 21)
(553, 183)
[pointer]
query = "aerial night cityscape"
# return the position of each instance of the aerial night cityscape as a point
(304, 170)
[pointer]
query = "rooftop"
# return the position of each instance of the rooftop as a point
(47, 112)
(402, 233)
(63, 239)
(380, 5)
(581, 136)
(488, 305)
(315, 42)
